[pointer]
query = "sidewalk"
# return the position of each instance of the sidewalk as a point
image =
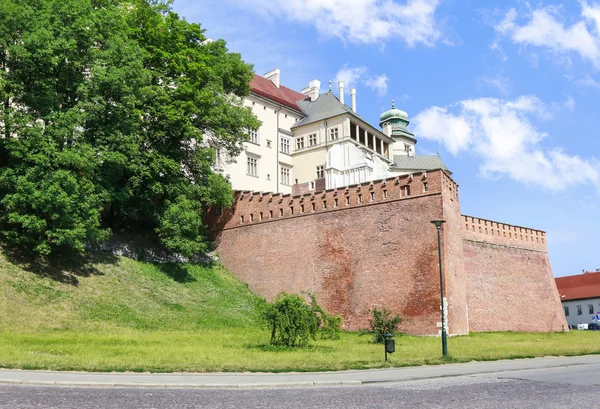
(282, 380)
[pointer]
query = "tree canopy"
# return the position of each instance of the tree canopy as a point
(113, 112)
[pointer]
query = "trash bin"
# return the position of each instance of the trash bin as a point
(390, 346)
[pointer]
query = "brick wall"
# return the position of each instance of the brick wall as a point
(380, 252)
(454, 272)
(373, 244)
(511, 289)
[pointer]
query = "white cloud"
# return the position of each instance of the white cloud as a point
(545, 29)
(379, 84)
(588, 82)
(360, 21)
(352, 76)
(499, 82)
(501, 134)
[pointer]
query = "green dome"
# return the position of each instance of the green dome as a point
(393, 115)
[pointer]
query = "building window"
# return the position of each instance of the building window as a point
(312, 139)
(579, 312)
(385, 194)
(590, 308)
(359, 199)
(251, 217)
(348, 201)
(314, 207)
(335, 203)
(285, 145)
(268, 176)
(372, 196)
(406, 191)
(320, 171)
(334, 134)
(425, 187)
(252, 166)
(407, 147)
(311, 185)
(285, 175)
(300, 143)
(261, 215)
(268, 143)
(270, 214)
(566, 311)
(242, 219)
(324, 204)
(280, 212)
(291, 209)
(253, 134)
(301, 208)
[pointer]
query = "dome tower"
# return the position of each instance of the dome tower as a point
(394, 123)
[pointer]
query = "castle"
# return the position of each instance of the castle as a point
(353, 227)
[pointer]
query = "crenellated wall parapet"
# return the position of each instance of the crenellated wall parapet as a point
(251, 208)
(478, 229)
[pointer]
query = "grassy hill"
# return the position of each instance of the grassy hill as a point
(103, 291)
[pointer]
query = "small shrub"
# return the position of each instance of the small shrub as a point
(383, 322)
(329, 327)
(293, 322)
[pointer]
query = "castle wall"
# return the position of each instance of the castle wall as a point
(378, 250)
(454, 273)
(373, 244)
(510, 285)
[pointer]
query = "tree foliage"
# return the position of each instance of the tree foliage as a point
(294, 322)
(383, 322)
(112, 115)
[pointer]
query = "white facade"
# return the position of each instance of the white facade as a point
(581, 311)
(271, 150)
(333, 151)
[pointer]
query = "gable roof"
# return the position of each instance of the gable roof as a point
(327, 105)
(282, 95)
(419, 162)
(580, 286)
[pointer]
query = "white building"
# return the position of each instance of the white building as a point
(312, 141)
(580, 296)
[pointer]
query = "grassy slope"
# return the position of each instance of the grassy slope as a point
(108, 292)
(116, 314)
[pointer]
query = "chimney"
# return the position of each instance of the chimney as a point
(353, 95)
(312, 91)
(341, 86)
(274, 76)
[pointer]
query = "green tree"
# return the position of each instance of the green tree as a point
(383, 322)
(293, 321)
(113, 112)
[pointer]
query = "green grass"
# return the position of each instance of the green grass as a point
(104, 292)
(114, 314)
(243, 349)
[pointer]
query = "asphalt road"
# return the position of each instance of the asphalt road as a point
(574, 386)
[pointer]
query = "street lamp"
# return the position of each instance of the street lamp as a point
(438, 224)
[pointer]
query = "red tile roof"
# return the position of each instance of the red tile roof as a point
(282, 95)
(585, 285)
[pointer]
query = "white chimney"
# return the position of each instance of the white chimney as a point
(353, 95)
(312, 91)
(274, 76)
(341, 87)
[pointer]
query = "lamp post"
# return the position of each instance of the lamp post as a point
(438, 224)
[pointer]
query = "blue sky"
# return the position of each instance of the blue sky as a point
(508, 93)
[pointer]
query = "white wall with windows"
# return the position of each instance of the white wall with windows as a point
(581, 311)
(258, 168)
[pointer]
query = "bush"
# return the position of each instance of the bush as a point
(329, 327)
(383, 322)
(293, 322)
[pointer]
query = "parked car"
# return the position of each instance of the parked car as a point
(594, 326)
